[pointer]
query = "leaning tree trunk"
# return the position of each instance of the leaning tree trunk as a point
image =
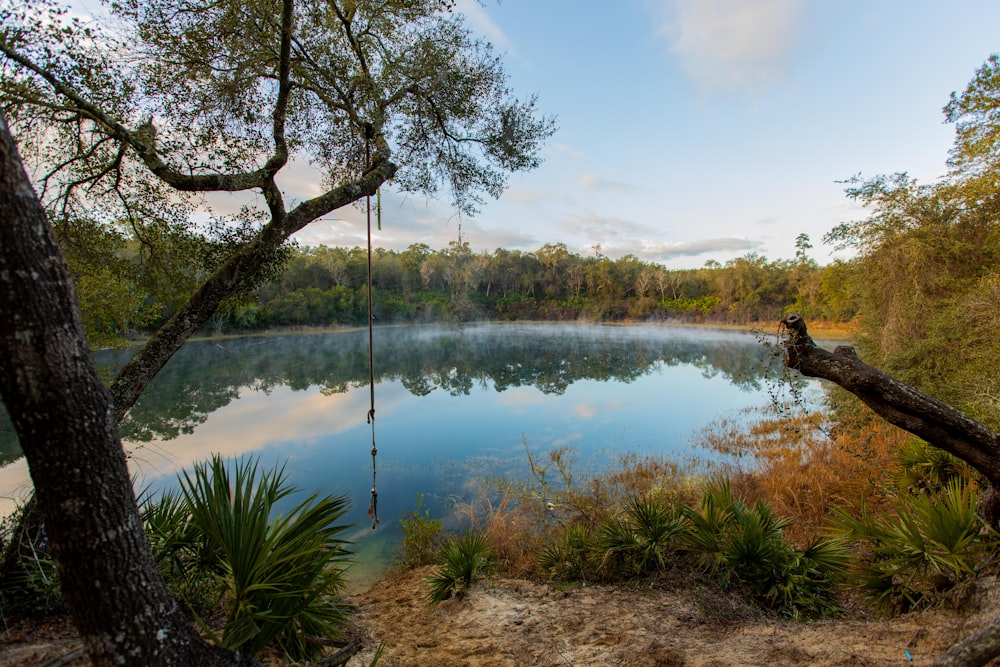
(65, 422)
(925, 416)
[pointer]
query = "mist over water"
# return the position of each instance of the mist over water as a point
(453, 405)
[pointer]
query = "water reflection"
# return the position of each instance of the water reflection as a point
(452, 403)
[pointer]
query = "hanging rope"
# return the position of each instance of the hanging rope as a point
(373, 505)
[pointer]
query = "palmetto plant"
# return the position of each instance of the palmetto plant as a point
(927, 543)
(744, 545)
(924, 466)
(279, 574)
(189, 561)
(570, 556)
(642, 539)
(464, 560)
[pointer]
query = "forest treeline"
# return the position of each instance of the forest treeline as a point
(326, 286)
(323, 285)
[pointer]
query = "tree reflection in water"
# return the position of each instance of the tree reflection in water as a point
(452, 402)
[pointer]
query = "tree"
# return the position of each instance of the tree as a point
(222, 96)
(65, 422)
(202, 97)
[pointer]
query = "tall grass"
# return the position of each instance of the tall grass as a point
(799, 464)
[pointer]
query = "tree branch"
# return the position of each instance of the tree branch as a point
(900, 404)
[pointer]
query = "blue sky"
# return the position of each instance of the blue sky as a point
(692, 130)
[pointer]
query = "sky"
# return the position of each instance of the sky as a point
(697, 130)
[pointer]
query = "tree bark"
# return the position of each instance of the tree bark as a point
(67, 428)
(925, 416)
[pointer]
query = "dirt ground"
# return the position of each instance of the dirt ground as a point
(514, 622)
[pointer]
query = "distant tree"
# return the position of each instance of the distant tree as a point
(180, 98)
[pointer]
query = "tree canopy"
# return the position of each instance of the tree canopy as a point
(130, 123)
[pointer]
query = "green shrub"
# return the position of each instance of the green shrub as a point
(641, 540)
(421, 538)
(925, 544)
(190, 563)
(570, 555)
(744, 545)
(280, 576)
(465, 559)
(923, 466)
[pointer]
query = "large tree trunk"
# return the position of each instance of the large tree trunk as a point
(925, 416)
(67, 429)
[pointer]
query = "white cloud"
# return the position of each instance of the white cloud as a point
(601, 228)
(477, 19)
(592, 181)
(731, 244)
(732, 45)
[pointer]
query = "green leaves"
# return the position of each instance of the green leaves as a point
(465, 559)
(279, 576)
(738, 545)
(925, 544)
(744, 545)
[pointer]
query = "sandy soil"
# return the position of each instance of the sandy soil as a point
(513, 622)
(509, 622)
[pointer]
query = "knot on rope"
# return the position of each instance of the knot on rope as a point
(373, 508)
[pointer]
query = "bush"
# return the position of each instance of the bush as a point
(190, 562)
(570, 555)
(923, 546)
(278, 577)
(421, 538)
(641, 540)
(744, 545)
(465, 560)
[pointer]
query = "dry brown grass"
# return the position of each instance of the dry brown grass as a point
(802, 470)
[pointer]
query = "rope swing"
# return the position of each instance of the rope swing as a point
(373, 505)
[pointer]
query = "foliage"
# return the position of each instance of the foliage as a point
(279, 575)
(924, 466)
(640, 540)
(925, 545)
(744, 545)
(796, 462)
(927, 257)
(572, 554)
(321, 287)
(421, 537)
(29, 581)
(190, 562)
(976, 115)
(465, 559)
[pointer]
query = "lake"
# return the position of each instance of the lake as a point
(454, 404)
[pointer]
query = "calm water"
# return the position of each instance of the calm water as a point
(453, 405)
